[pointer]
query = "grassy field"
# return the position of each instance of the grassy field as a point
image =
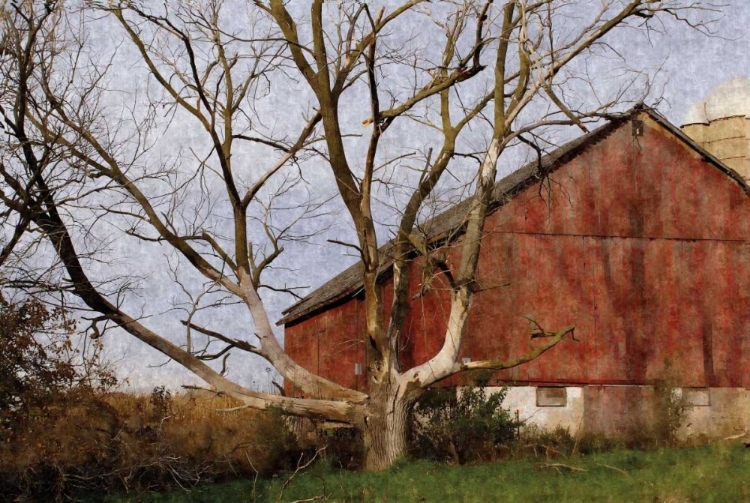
(718, 473)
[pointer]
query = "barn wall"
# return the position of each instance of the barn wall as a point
(638, 242)
(330, 345)
(640, 245)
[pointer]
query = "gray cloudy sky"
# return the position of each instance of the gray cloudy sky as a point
(692, 65)
(695, 63)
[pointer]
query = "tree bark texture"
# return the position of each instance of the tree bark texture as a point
(386, 427)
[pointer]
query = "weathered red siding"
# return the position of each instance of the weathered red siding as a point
(330, 344)
(638, 242)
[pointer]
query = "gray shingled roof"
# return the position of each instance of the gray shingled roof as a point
(450, 223)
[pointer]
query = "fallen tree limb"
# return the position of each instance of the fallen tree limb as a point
(614, 468)
(557, 466)
(739, 435)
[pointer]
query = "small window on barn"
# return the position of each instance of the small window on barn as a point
(551, 397)
(696, 397)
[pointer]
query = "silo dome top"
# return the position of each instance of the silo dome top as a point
(730, 99)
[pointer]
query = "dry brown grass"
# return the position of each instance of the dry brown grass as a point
(120, 441)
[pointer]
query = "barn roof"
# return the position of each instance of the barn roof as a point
(450, 223)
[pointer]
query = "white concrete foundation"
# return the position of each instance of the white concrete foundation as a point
(706, 412)
(726, 415)
(524, 400)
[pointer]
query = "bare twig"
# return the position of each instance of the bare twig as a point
(299, 468)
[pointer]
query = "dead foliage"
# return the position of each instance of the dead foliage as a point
(133, 443)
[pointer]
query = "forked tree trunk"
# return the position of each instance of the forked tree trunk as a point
(386, 428)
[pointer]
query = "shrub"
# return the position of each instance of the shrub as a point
(461, 425)
(660, 419)
(40, 364)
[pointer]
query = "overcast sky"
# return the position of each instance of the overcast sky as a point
(696, 63)
(692, 64)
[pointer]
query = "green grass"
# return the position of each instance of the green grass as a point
(719, 473)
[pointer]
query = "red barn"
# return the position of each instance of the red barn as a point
(634, 234)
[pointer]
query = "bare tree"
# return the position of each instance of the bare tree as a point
(500, 75)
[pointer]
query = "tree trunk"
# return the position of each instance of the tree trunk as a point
(386, 428)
